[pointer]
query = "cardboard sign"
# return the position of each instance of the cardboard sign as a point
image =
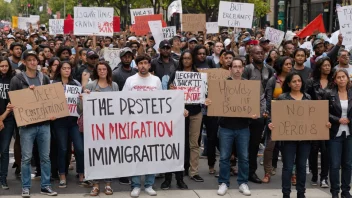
(140, 12)
(112, 56)
(275, 36)
(193, 84)
(141, 27)
(345, 20)
(233, 14)
(56, 26)
(193, 22)
(300, 120)
(93, 21)
(40, 104)
(216, 73)
(234, 98)
(212, 28)
(72, 96)
(122, 139)
(169, 32)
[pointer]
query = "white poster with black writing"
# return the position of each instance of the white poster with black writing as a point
(72, 96)
(133, 133)
(235, 14)
(169, 32)
(193, 84)
(56, 26)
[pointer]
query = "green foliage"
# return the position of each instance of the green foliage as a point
(7, 10)
(261, 8)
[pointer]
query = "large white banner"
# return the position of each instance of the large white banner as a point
(72, 96)
(133, 133)
(140, 12)
(93, 21)
(275, 36)
(194, 85)
(56, 26)
(345, 19)
(112, 55)
(234, 14)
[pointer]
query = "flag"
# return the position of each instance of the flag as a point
(174, 7)
(68, 24)
(317, 25)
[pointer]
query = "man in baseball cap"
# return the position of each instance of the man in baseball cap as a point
(124, 70)
(192, 42)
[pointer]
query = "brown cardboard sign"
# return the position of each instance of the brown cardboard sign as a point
(216, 73)
(193, 22)
(234, 98)
(40, 104)
(300, 119)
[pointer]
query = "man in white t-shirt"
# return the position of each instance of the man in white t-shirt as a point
(344, 60)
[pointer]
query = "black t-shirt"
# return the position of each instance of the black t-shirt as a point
(305, 73)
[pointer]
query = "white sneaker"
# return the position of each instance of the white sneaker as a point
(150, 191)
(222, 189)
(135, 192)
(244, 189)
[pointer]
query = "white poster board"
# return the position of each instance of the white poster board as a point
(212, 28)
(140, 12)
(56, 26)
(133, 133)
(112, 55)
(194, 85)
(345, 19)
(157, 32)
(72, 96)
(169, 32)
(234, 14)
(93, 21)
(275, 36)
(22, 23)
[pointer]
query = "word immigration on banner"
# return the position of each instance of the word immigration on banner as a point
(232, 14)
(93, 20)
(133, 133)
(72, 95)
(56, 26)
(193, 84)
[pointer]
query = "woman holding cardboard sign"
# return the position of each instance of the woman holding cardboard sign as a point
(340, 143)
(293, 89)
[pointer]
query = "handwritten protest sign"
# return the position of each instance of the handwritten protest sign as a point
(141, 27)
(156, 29)
(140, 12)
(133, 133)
(345, 19)
(93, 20)
(193, 22)
(234, 98)
(56, 26)
(300, 120)
(193, 84)
(216, 73)
(233, 14)
(212, 28)
(72, 96)
(169, 32)
(275, 36)
(40, 104)
(112, 56)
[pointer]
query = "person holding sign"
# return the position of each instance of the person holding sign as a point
(340, 143)
(234, 130)
(294, 152)
(67, 127)
(38, 131)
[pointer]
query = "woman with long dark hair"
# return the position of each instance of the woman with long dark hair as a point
(317, 86)
(340, 143)
(7, 121)
(54, 62)
(294, 152)
(199, 56)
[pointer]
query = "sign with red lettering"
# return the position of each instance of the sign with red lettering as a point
(93, 21)
(72, 96)
(193, 84)
(141, 27)
(133, 133)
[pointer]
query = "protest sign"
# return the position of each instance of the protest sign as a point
(169, 32)
(112, 56)
(56, 26)
(212, 28)
(141, 27)
(345, 20)
(133, 133)
(14, 21)
(22, 23)
(216, 73)
(275, 36)
(72, 96)
(157, 32)
(193, 84)
(299, 120)
(234, 98)
(193, 22)
(233, 14)
(40, 104)
(93, 21)
(140, 12)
